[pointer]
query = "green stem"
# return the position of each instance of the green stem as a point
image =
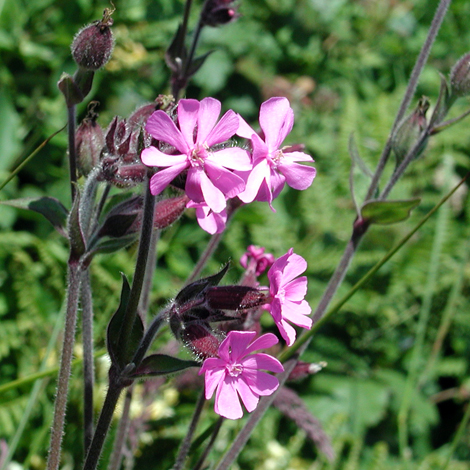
(458, 436)
(29, 158)
(425, 311)
(57, 431)
(71, 111)
(337, 306)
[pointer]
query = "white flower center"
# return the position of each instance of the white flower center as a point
(198, 154)
(234, 370)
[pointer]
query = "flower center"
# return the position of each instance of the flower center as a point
(277, 156)
(198, 154)
(234, 370)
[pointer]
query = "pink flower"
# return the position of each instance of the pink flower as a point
(210, 221)
(236, 373)
(273, 166)
(256, 259)
(209, 177)
(287, 294)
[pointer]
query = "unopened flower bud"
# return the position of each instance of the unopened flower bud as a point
(304, 369)
(255, 259)
(218, 12)
(93, 44)
(201, 340)
(234, 298)
(89, 139)
(460, 76)
(409, 130)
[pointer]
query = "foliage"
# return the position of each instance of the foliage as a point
(343, 65)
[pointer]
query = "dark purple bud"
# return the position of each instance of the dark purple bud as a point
(93, 44)
(201, 340)
(460, 76)
(234, 298)
(219, 12)
(89, 140)
(169, 210)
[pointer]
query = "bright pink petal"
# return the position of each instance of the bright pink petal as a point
(211, 363)
(209, 112)
(213, 197)
(193, 184)
(287, 332)
(224, 130)
(234, 158)
(261, 361)
(277, 183)
(163, 178)
(256, 177)
(298, 176)
(187, 118)
(249, 399)
(237, 342)
(263, 342)
(297, 313)
(260, 382)
(296, 289)
(297, 157)
(244, 130)
(161, 127)
(229, 183)
(276, 119)
(151, 156)
(296, 265)
(210, 221)
(227, 403)
(212, 380)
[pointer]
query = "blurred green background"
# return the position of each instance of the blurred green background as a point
(343, 64)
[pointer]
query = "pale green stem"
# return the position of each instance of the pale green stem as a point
(423, 320)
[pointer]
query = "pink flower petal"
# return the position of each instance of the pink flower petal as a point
(255, 179)
(151, 156)
(193, 184)
(234, 158)
(249, 399)
(209, 112)
(287, 332)
(244, 130)
(263, 342)
(213, 197)
(296, 157)
(236, 342)
(260, 382)
(224, 129)
(163, 178)
(210, 221)
(187, 117)
(161, 127)
(297, 176)
(261, 361)
(212, 380)
(229, 183)
(227, 403)
(276, 119)
(296, 265)
(296, 289)
(297, 313)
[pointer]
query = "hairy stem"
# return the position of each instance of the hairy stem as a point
(57, 431)
(186, 443)
(88, 369)
(71, 116)
(410, 90)
(210, 444)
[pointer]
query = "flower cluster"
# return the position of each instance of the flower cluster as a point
(196, 147)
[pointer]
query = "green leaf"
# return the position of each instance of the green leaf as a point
(52, 209)
(76, 237)
(161, 364)
(388, 212)
(121, 353)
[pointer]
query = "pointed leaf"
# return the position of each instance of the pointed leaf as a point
(118, 352)
(198, 62)
(195, 288)
(161, 364)
(51, 208)
(356, 158)
(443, 104)
(175, 55)
(388, 212)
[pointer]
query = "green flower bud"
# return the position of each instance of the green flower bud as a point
(460, 76)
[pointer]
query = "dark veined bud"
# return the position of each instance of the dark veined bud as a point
(409, 130)
(93, 44)
(89, 139)
(234, 298)
(304, 369)
(219, 12)
(201, 340)
(460, 77)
